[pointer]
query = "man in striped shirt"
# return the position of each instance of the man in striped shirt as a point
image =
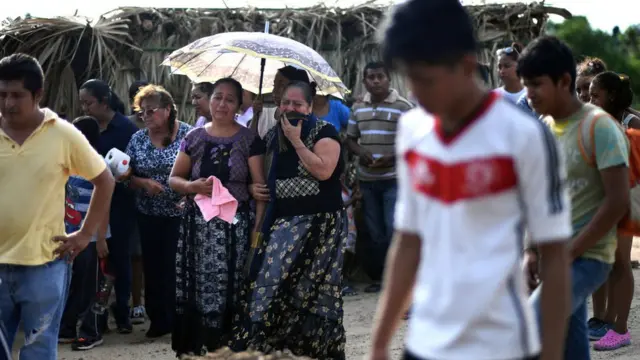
(371, 136)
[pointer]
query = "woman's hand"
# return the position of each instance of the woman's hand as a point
(126, 175)
(102, 248)
(201, 186)
(292, 132)
(257, 105)
(152, 187)
(182, 203)
(260, 192)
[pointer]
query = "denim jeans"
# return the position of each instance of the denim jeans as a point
(35, 296)
(378, 207)
(587, 276)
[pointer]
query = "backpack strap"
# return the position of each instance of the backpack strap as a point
(587, 131)
(627, 120)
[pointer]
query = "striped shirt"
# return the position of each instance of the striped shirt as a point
(78, 197)
(374, 127)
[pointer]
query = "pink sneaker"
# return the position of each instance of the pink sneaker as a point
(612, 341)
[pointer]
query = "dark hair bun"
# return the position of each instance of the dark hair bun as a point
(314, 88)
(597, 65)
(626, 81)
(517, 47)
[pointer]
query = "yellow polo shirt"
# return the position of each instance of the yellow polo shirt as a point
(32, 188)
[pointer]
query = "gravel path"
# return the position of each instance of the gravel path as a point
(359, 312)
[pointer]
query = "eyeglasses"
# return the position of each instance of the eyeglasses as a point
(147, 112)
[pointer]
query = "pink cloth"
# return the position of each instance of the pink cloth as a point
(221, 203)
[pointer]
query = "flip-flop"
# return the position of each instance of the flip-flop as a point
(348, 291)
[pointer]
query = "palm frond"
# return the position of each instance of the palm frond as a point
(130, 43)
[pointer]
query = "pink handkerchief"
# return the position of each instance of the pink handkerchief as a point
(221, 203)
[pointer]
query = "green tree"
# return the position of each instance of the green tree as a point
(619, 50)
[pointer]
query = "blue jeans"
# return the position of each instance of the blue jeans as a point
(587, 276)
(35, 296)
(378, 207)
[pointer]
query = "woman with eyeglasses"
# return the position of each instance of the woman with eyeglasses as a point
(512, 88)
(153, 151)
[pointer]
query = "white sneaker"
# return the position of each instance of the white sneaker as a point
(137, 315)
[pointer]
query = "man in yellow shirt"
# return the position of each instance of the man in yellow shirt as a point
(38, 153)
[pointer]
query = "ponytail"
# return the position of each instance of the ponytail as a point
(618, 87)
(173, 114)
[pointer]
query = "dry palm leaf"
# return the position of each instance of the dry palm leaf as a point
(130, 43)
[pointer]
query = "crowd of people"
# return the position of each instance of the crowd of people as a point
(241, 227)
(268, 276)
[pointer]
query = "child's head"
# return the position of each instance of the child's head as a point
(548, 70)
(433, 43)
(88, 126)
(507, 62)
(587, 70)
(612, 92)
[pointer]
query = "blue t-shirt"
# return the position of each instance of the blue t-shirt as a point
(338, 115)
(78, 197)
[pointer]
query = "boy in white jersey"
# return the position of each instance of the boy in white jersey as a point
(473, 172)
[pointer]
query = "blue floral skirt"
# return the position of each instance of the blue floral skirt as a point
(210, 281)
(295, 302)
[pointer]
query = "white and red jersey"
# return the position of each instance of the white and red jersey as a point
(470, 197)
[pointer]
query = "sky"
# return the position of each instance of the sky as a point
(602, 15)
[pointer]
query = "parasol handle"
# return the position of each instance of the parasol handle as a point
(262, 64)
(263, 61)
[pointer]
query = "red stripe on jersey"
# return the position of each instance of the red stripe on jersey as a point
(460, 181)
(476, 114)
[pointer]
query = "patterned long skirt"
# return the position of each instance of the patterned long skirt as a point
(295, 302)
(210, 282)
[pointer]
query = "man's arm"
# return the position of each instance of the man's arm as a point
(84, 160)
(612, 159)
(541, 175)
(98, 211)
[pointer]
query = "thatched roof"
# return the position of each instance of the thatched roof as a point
(130, 43)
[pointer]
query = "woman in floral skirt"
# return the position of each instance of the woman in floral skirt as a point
(211, 254)
(295, 299)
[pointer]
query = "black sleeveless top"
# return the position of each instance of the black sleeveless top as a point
(297, 191)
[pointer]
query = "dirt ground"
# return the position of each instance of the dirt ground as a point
(359, 311)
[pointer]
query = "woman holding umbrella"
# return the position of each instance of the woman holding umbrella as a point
(295, 299)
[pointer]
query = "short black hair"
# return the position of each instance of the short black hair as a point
(89, 127)
(434, 32)
(230, 81)
(547, 56)
(135, 87)
(294, 74)
(23, 67)
(375, 65)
